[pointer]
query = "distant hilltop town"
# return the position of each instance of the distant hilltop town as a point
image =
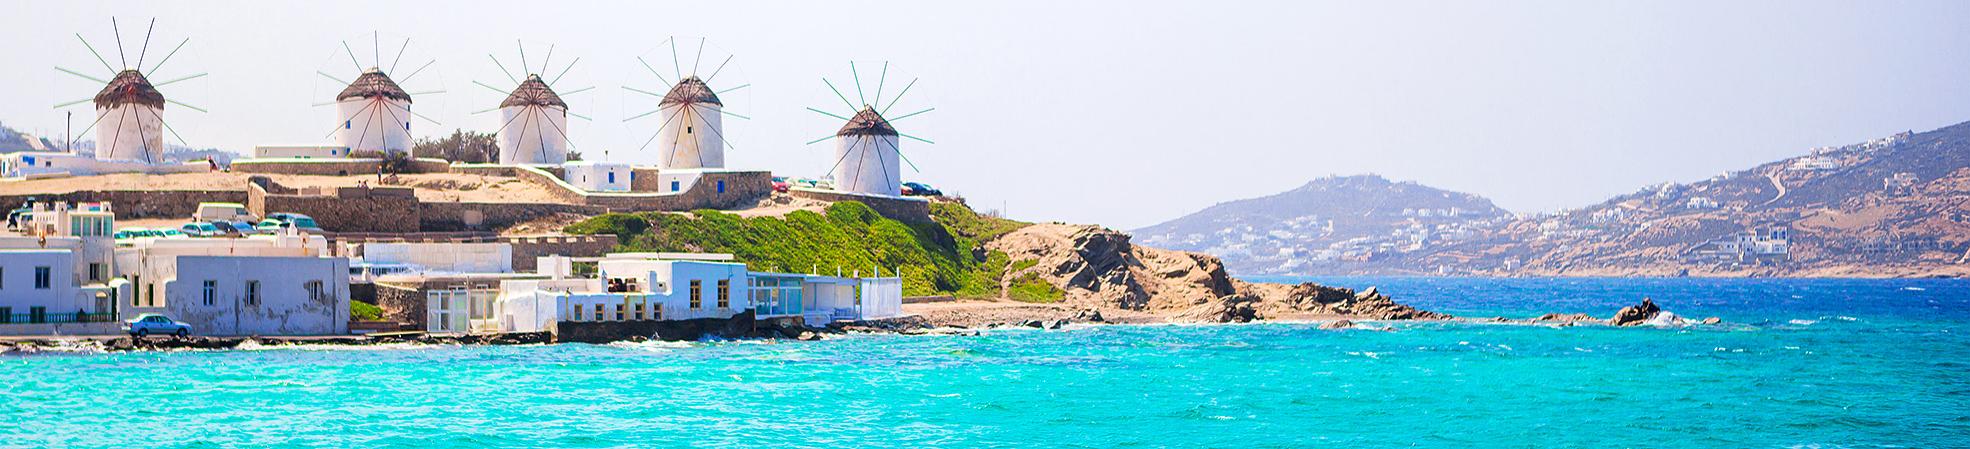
(1885, 207)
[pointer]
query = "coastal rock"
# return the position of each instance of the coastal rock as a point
(1089, 315)
(1712, 320)
(1635, 315)
(1056, 324)
(1567, 318)
(1226, 309)
(1338, 324)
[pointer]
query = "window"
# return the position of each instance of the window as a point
(619, 312)
(6, 314)
(675, 186)
(314, 289)
(724, 293)
(252, 293)
(687, 129)
(43, 277)
(95, 271)
(346, 124)
(211, 292)
(612, 175)
(697, 295)
(37, 314)
(721, 186)
(598, 314)
(639, 311)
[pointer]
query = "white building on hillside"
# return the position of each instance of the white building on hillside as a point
(602, 176)
(661, 287)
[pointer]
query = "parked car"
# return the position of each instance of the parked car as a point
(169, 233)
(208, 212)
(780, 184)
(20, 216)
(131, 233)
(920, 189)
(150, 323)
(278, 221)
(201, 230)
(242, 228)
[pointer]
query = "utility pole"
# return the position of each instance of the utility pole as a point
(69, 129)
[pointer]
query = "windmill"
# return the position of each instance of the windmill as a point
(533, 126)
(129, 121)
(692, 134)
(868, 158)
(373, 111)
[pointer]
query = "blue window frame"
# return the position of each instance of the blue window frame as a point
(721, 186)
(612, 177)
(345, 124)
(674, 186)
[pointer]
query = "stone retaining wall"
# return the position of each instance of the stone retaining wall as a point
(482, 216)
(138, 203)
(907, 210)
(350, 209)
(332, 167)
(742, 188)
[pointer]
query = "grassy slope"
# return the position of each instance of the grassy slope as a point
(936, 259)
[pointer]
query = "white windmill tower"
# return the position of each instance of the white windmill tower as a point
(374, 111)
(533, 118)
(868, 157)
(129, 121)
(692, 135)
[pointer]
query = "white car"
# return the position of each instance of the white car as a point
(151, 323)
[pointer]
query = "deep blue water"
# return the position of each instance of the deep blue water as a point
(1803, 363)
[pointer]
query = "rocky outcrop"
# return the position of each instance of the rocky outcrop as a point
(1635, 315)
(1099, 268)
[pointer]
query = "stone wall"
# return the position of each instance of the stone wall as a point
(742, 188)
(739, 326)
(644, 179)
(349, 209)
(332, 167)
(138, 203)
(907, 210)
(527, 248)
(483, 216)
(402, 304)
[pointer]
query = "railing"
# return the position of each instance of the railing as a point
(71, 317)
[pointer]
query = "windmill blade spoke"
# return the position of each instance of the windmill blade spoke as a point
(576, 91)
(400, 55)
(564, 135)
(523, 55)
(376, 48)
(904, 116)
(316, 105)
(167, 56)
(826, 113)
(350, 119)
(482, 111)
(87, 77)
(899, 154)
(331, 77)
(428, 92)
(119, 42)
(352, 56)
(723, 111)
(145, 50)
(741, 86)
(200, 75)
(653, 71)
(815, 141)
(72, 103)
(564, 72)
(673, 59)
(579, 116)
(644, 92)
(714, 132)
(880, 80)
(858, 83)
(92, 125)
(174, 131)
(700, 58)
(92, 50)
(637, 116)
(721, 68)
(176, 102)
(509, 122)
(660, 130)
(494, 89)
(844, 98)
(407, 110)
(899, 96)
(502, 68)
(917, 138)
(838, 161)
(550, 59)
(420, 69)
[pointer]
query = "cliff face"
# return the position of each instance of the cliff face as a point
(1099, 268)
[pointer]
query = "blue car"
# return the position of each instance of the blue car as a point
(151, 323)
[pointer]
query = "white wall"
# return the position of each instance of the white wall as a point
(27, 164)
(868, 164)
(130, 132)
(300, 151)
(17, 267)
(533, 135)
(444, 257)
(373, 124)
(691, 138)
(599, 176)
(285, 306)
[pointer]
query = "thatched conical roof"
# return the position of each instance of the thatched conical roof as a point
(867, 123)
(373, 83)
(533, 92)
(129, 87)
(690, 90)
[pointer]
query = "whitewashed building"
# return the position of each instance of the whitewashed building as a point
(260, 285)
(692, 134)
(374, 113)
(535, 130)
(869, 162)
(58, 277)
(594, 176)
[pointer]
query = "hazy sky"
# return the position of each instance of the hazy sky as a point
(1119, 113)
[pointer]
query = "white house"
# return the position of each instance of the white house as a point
(661, 287)
(261, 285)
(58, 278)
(599, 176)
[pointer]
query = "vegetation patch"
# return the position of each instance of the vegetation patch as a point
(1030, 287)
(363, 311)
(848, 237)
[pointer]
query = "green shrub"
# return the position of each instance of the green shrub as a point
(1030, 287)
(363, 311)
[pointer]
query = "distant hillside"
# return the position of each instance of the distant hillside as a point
(1894, 206)
(14, 141)
(1326, 221)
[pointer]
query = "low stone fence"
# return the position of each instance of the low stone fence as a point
(907, 210)
(348, 209)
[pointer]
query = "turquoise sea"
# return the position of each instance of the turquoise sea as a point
(1802, 363)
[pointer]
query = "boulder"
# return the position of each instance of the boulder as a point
(1712, 320)
(1056, 324)
(1340, 324)
(1226, 309)
(1564, 318)
(1089, 315)
(1635, 315)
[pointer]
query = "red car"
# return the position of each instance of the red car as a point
(780, 184)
